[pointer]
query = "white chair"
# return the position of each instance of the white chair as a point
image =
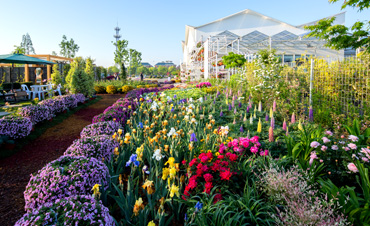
(25, 88)
(37, 90)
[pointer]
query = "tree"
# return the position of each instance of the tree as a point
(171, 69)
(68, 48)
(120, 56)
(56, 78)
(339, 36)
(134, 59)
(153, 71)
(90, 79)
(27, 45)
(143, 70)
(233, 60)
(113, 69)
(54, 53)
(162, 70)
(77, 80)
(19, 49)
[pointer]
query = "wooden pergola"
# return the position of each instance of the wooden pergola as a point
(48, 58)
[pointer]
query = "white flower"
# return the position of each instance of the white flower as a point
(193, 121)
(224, 130)
(157, 155)
(325, 140)
(172, 132)
(190, 100)
(200, 99)
(352, 146)
(169, 98)
(334, 147)
(186, 117)
(162, 95)
(240, 98)
(201, 116)
(154, 106)
(353, 138)
(210, 117)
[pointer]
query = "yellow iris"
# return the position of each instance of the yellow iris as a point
(171, 162)
(174, 190)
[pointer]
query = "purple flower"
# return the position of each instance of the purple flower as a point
(248, 109)
(310, 115)
(100, 128)
(230, 107)
(240, 105)
(193, 138)
(15, 126)
(272, 124)
(241, 129)
(221, 114)
(267, 117)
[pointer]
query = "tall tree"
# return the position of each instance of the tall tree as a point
(134, 59)
(27, 45)
(120, 56)
(19, 49)
(68, 48)
(113, 69)
(339, 36)
(90, 78)
(162, 70)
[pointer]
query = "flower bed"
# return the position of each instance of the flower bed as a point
(100, 147)
(100, 128)
(36, 113)
(55, 105)
(73, 210)
(204, 84)
(15, 126)
(64, 177)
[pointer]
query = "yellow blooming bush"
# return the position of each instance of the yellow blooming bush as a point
(99, 89)
(111, 89)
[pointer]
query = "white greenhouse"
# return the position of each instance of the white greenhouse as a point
(246, 33)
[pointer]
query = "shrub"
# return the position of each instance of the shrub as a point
(56, 78)
(99, 89)
(15, 126)
(126, 88)
(55, 105)
(36, 113)
(66, 176)
(100, 147)
(77, 80)
(73, 210)
(100, 128)
(111, 89)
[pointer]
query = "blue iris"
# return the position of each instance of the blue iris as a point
(198, 206)
(141, 125)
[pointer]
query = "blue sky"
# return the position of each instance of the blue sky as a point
(154, 28)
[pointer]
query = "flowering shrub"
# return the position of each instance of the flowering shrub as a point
(55, 105)
(208, 169)
(111, 89)
(100, 128)
(70, 101)
(72, 210)
(36, 113)
(66, 176)
(204, 84)
(100, 147)
(15, 126)
(99, 89)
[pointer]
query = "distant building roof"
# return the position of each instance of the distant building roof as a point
(166, 64)
(145, 64)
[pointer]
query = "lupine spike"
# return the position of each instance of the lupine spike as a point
(251, 120)
(240, 105)
(271, 134)
(287, 131)
(241, 129)
(271, 113)
(274, 106)
(233, 97)
(310, 115)
(293, 118)
(254, 115)
(235, 111)
(234, 122)
(300, 127)
(272, 122)
(250, 104)
(248, 136)
(230, 92)
(245, 118)
(284, 125)
(267, 117)
(259, 126)
(221, 114)
(230, 108)
(233, 103)
(260, 106)
(248, 109)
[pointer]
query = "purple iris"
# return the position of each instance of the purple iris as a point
(193, 138)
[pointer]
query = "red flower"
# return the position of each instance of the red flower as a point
(192, 162)
(210, 155)
(218, 197)
(220, 157)
(233, 157)
(225, 175)
(208, 186)
(183, 162)
(208, 177)
(204, 159)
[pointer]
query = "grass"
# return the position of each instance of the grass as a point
(42, 127)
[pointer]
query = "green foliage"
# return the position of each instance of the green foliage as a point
(233, 60)
(89, 70)
(99, 89)
(113, 69)
(68, 48)
(355, 130)
(19, 49)
(56, 78)
(66, 69)
(77, 80)
(340, 36)
(162, 70)
(123, 74)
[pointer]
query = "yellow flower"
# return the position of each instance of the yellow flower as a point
(138, 205)
(128, 122)
(114, 135)
(129, 107)
(151, 223)
(149, 186)
(116, 152)
(119, 131)
(174, 190)
(134, 130)
(95, 190)
(165, 173)
(259, 126)
(172, 172)
(171, 161)
(217, 153)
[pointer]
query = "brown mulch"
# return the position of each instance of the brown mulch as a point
(15, 170)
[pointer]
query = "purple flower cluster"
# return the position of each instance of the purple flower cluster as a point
(55, 105)
(100, 128)
(15, 126)
(73, 210)
(71, 101)
(100, 147)
(64, 177)
(36, 113)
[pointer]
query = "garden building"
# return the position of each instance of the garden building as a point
(246, 33)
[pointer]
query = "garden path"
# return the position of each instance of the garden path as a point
(15, 170)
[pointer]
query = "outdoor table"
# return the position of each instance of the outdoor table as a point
(39, 90)
(3, 95)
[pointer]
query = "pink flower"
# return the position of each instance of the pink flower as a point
(334, 147)
(352, 167)
(365, 159)
(346, 148)
(342, 136)
(264, 153)
(325, 140)
(324, 148)
(314, 144)
(353, 138)
(208, 177)
(313, 156)
(244, 142)
(321, 160)
(352, 146)
(235, 142)
(328, 133)
(254, 150)
(254, 139)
